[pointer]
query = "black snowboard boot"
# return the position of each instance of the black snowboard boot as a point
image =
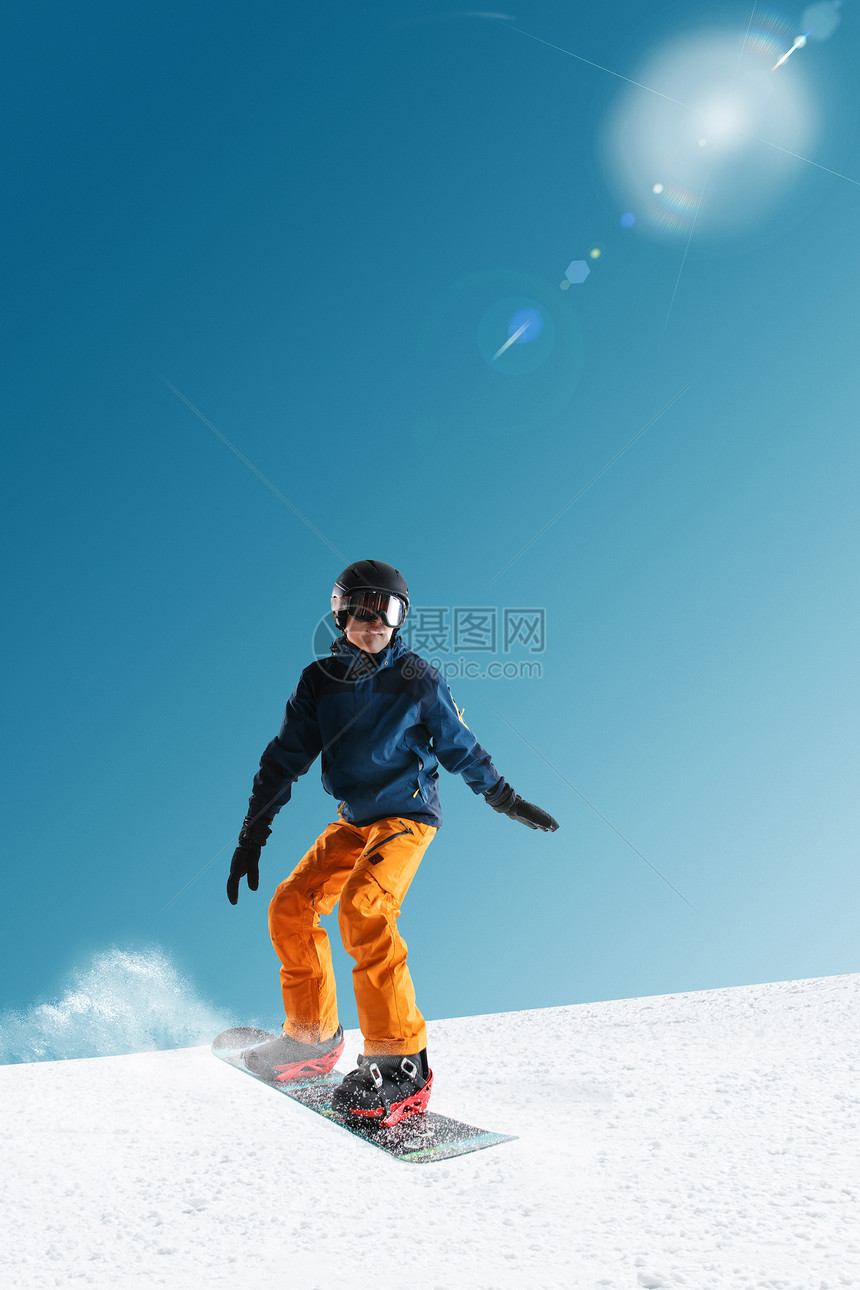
(284, 1058)
(384, 1090)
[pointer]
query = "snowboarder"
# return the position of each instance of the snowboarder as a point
(382, 719)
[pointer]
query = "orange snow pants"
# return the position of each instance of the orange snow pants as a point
(369, 870)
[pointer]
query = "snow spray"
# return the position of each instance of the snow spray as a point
(123, 1002)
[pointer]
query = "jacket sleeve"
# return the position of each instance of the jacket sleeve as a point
(292, 752)
(456, 747)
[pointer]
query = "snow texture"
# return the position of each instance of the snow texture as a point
(124, 1001)
(703, 1141)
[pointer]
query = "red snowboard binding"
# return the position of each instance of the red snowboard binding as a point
(285, 1059)
(382, 1091)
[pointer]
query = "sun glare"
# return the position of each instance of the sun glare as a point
(725, 121)
(705, 136)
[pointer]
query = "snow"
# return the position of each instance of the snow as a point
(706, 1140)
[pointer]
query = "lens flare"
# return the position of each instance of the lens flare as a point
(822, 19)
(525, 325)
(769, 34)
(676, 211)
(799, 43)
(724, 119)
(515, 336)
(707, 128)
(512, 340)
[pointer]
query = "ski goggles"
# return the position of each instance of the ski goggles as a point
(367, 605)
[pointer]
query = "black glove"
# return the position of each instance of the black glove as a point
(246, 858)
(516, 808)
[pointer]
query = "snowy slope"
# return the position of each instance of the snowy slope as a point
(707, 1141)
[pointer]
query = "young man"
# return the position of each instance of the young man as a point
(382, 720)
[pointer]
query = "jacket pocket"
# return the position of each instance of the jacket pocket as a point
(375, 857)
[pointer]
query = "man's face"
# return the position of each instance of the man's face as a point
(371, 637)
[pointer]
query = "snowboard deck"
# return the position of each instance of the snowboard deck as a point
(417, 1140)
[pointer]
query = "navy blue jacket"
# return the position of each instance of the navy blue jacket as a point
(382, 725)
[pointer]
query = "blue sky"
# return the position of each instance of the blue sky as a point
(316, 226)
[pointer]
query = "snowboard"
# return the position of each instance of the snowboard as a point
(417, 1140)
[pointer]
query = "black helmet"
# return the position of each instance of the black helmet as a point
(370, 587)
